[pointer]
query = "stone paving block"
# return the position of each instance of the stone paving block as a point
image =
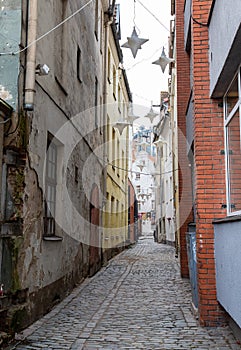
(138, 301)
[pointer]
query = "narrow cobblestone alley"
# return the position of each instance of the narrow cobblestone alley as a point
(138, 301)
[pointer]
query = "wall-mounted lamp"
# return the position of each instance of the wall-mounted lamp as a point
(42, 69)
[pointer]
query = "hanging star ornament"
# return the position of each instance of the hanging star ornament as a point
(151, 115)
(131, 117)
(141, 166)
(163, 61)
(134, 42)
(121, 125)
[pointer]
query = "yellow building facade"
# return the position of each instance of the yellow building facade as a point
(118, 97)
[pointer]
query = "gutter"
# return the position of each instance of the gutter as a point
(29, 89)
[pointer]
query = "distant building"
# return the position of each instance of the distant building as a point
(118, 98)
(133, 232)
(142, 175)
(164, 178)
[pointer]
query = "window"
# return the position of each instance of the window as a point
(76, 174)
(117, 213)
(97, 19)
(113, 148)
(232, 107)
(112, 211)
(50, 188)
(96, 102)
(118, 157)
(79, 67)
(102, 31)
(123, 165)
(114, 82)
(139, 205)
(108, 138)
(61, 44)
(109, 67)
(119, 99)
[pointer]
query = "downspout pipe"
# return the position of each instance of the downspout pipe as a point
(29, 89)
(107, 23)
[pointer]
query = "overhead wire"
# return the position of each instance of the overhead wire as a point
(144, 59)
(47, 33)
(59, 25)
(154, 16)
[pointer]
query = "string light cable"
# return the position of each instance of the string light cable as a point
(144, 59)
(142, 173)
(200, 23)
(152, 14)
(134, 18)
(102, 161)
(106, 163)
(48, 32)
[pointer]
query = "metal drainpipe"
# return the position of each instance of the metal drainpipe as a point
(29, 89)
(108, 21)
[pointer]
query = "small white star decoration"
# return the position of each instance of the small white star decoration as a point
(163, 61)
(131, 117)
(121, 125)
(151, 115)
(134, 42)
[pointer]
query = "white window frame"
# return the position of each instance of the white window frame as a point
(50, 186)
(56, 183)
(227, 120)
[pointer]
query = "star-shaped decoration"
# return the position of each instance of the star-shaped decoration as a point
(131, 117)
(141, 166)
(121, 125)
(134, 43)
(163, 61)
(151, 115)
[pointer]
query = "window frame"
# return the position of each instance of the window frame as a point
(96, 29)
(96, 97)
(228, 117)
(56, 215)
(50, 182)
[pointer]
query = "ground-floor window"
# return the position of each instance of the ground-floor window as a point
(50, 188)
(232, 108)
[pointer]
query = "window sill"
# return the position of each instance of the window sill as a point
(227, 219)
(52, 238)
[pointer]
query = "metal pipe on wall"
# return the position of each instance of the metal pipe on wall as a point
(29, 89)
(107, 23)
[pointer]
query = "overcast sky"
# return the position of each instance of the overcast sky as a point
(146, 79)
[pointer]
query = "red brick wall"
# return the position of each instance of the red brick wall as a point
(209, 160)
(210, 171)
(183, 93)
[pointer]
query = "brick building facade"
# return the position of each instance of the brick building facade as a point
(208, 175)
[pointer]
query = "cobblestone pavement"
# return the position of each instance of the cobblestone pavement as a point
(138, 301)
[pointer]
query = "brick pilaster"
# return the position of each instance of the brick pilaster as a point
(183, 93)
(210, 171)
